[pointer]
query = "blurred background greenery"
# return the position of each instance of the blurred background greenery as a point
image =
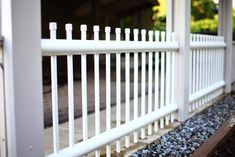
(204, 16)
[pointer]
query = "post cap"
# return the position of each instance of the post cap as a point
(83, 27)
(96, 28)
(118, 30)
(107, 29)
(127, 30)
(52, 26)
(157, 33)
(136, 31)
(150, 32)
(143, 31)
(163, 33)
(68, 27)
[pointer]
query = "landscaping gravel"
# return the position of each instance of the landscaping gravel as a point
(186, 138)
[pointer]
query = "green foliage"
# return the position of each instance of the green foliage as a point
(204, 17)
(234, 20)
(159, 16)
(202, 9)
(160, 23)
(205, 25)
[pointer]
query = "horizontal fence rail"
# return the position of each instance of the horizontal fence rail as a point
(64, 47)
(149, 83)
(206, 69)
(107, 137)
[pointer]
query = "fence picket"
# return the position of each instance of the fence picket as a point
(143, 81)
(108, 91)
(136, 66)
(190, 72)
(68, 28)
(85, 123)
(162, 104)
(96, 30)
(118, 88)
(156, 80)
(173, 80)
(195, 52)
(127, 82)
(150, 82)
(54, 93)
(201, 70)
(168, 78)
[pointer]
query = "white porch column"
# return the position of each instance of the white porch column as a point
(21, 29)
(2, 99)
(0, 20)
(225, 29)
(182, 32)
(170, 16)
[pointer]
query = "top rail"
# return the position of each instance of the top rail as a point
(207, 45)
(65, 47)
(57, 47)
(202, 41)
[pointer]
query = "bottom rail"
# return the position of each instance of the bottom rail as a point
(97, 142)
(206, 91)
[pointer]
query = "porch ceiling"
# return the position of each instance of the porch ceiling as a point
(85, 8)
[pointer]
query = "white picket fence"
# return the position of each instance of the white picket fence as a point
(206, 69)
(159, 54)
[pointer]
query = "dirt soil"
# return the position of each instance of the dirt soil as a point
(227, 149)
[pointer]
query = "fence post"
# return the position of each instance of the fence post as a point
(182, 34)
(2, 108)
(225, 29)
(170, 16)
(0, 19)
(21, 29)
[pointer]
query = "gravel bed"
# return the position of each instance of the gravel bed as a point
(186, 138)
